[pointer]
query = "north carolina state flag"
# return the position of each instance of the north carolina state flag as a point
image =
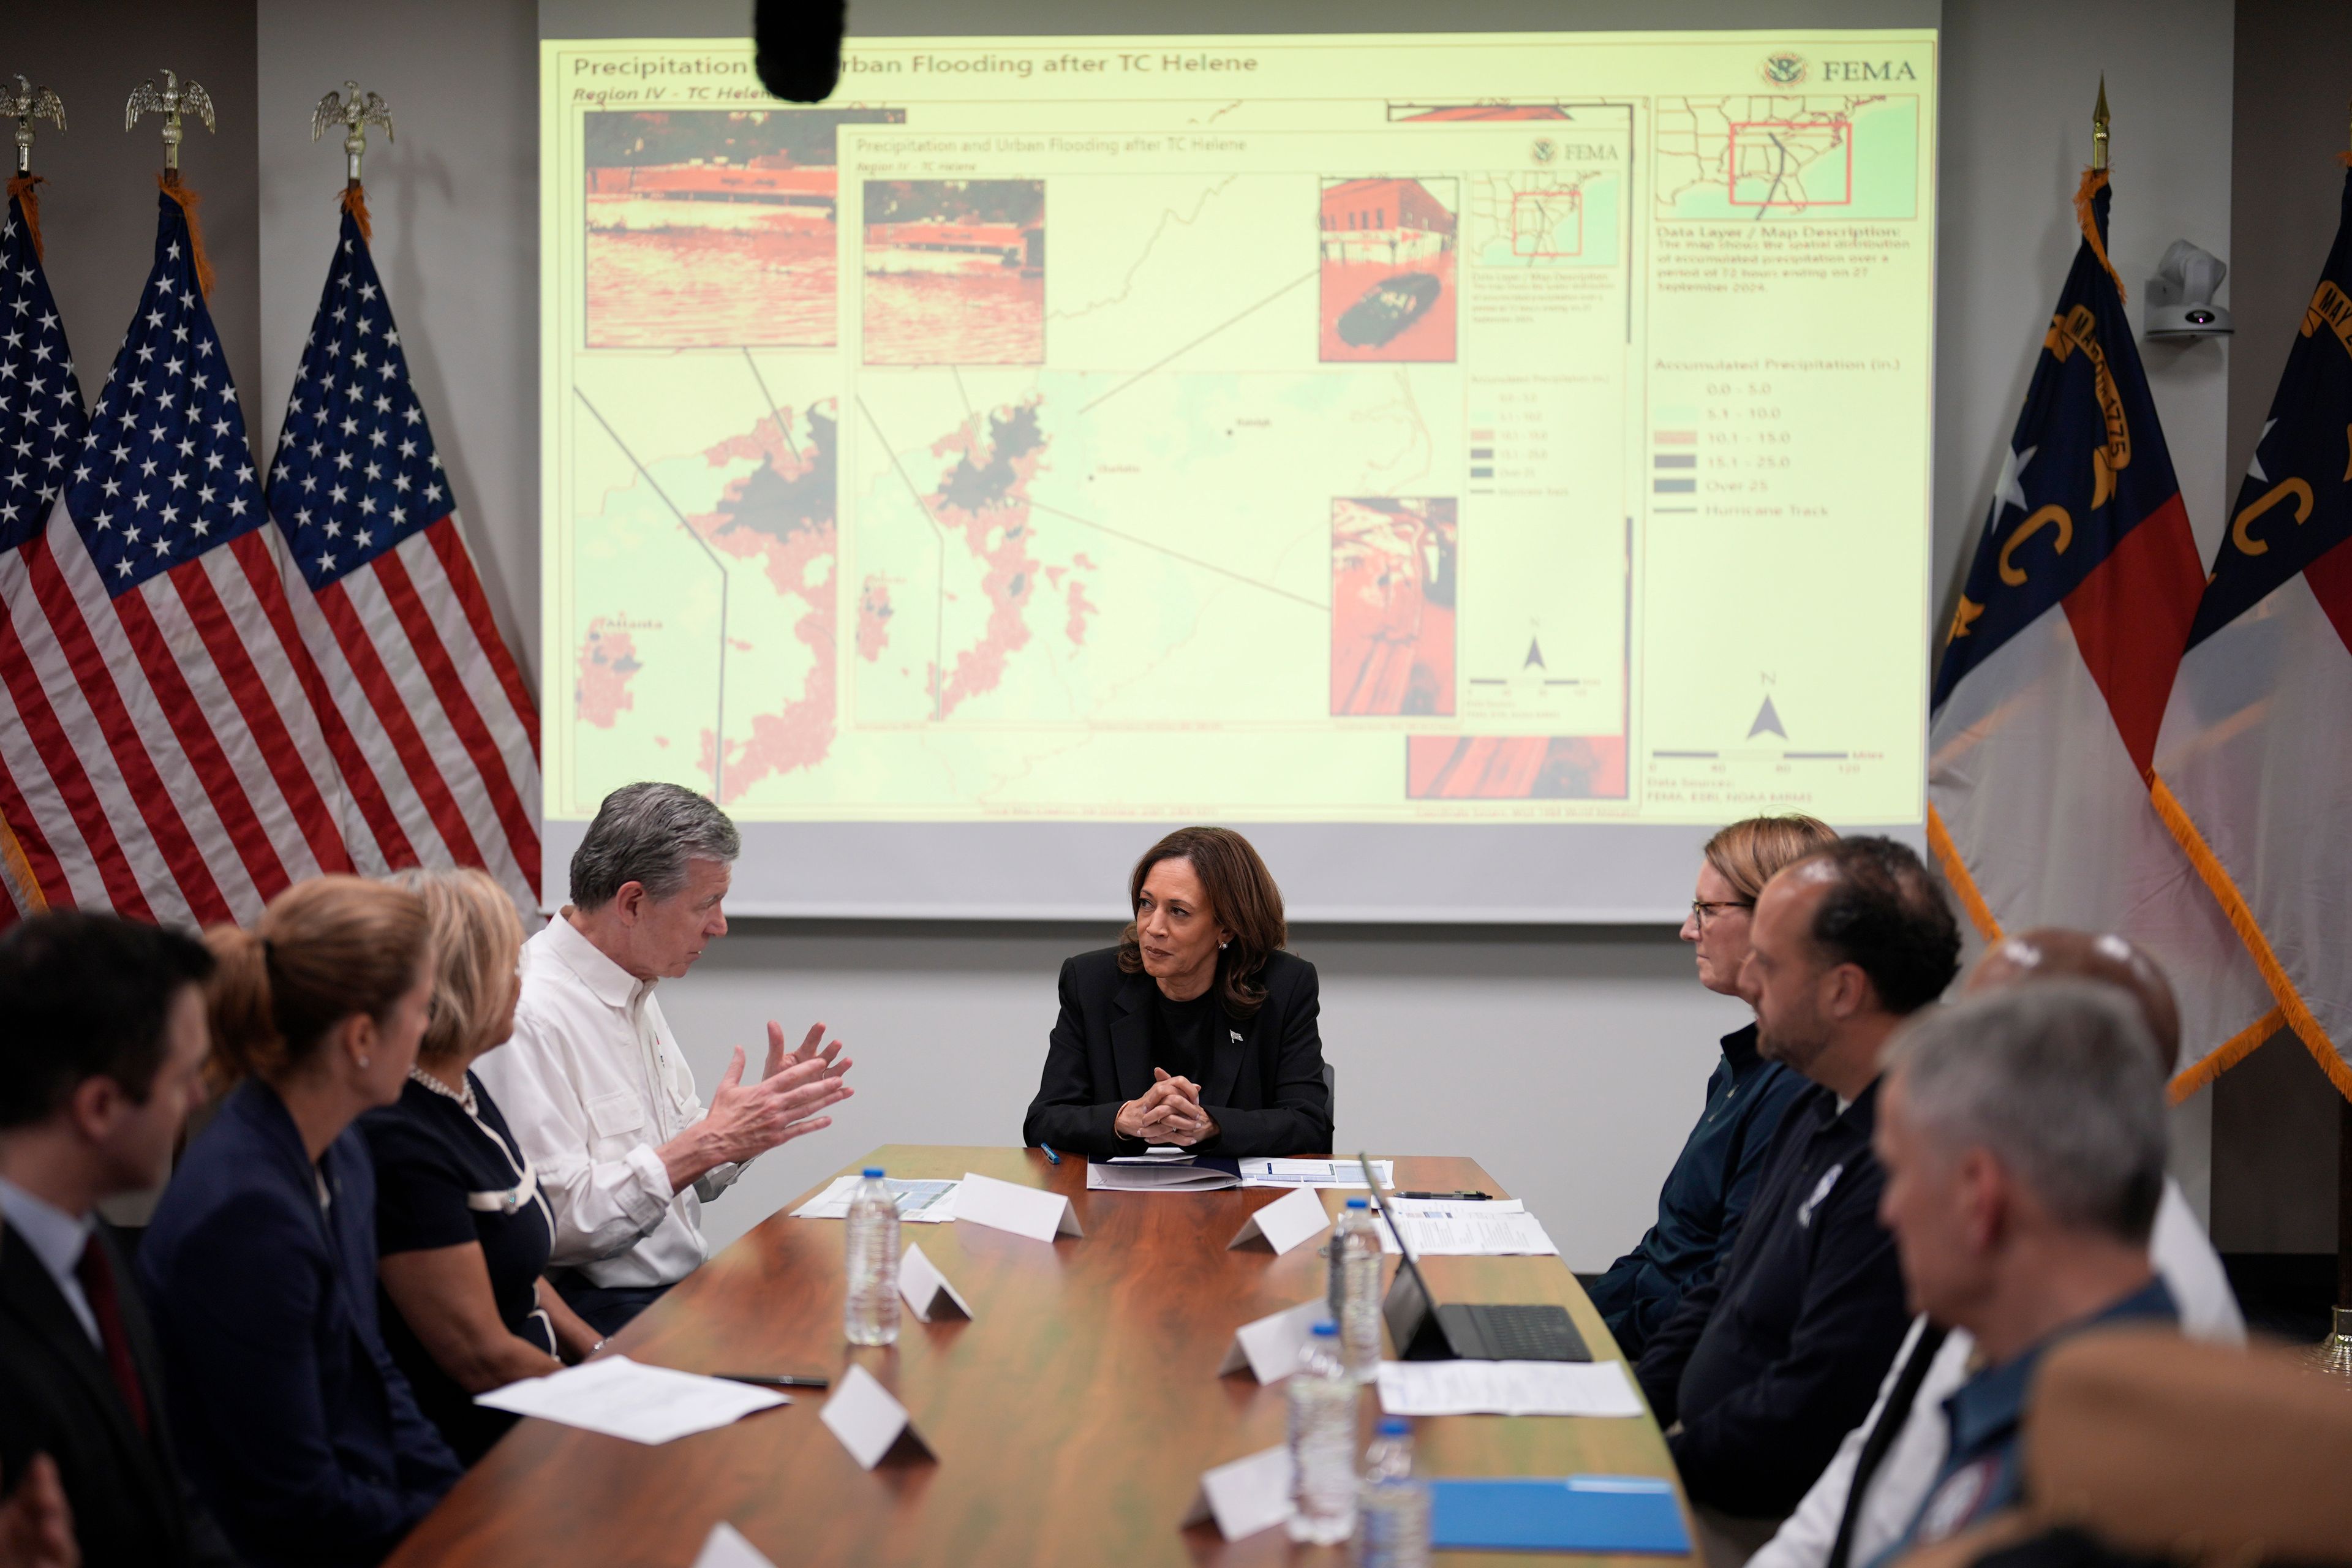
(2059, 662)
(2253, 767)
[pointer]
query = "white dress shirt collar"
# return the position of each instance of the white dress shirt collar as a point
(606, 981)
(58, 1239)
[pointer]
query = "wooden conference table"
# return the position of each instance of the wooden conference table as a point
(1072, 1416)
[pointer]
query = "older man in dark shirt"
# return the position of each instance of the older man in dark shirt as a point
(1770, 1363)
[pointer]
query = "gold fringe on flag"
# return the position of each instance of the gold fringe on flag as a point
(2093, 182)
(2293, 1010)
(15, 868)
(20, 186)
(354, 202)
(169, 183)
(1956, 872)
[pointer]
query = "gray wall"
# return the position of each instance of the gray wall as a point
(1569, 1060)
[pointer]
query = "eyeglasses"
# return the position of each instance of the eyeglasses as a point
(1701, 909)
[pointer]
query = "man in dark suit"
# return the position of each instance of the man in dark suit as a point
(101, 1060)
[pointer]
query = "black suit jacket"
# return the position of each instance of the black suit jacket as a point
(1264, 1087)
(131, 1505)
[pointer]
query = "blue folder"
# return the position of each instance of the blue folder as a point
(1557, 1513)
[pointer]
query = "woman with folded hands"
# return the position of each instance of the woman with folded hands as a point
(462, 1231)
(1197, 1030)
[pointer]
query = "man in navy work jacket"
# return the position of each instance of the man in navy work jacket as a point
(1771, 1361)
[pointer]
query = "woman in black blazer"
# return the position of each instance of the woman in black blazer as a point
(1196, 1030)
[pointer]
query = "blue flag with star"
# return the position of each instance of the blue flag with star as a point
(2087, 515)
(2296, 504)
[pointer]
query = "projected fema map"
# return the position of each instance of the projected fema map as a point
(1447, 428)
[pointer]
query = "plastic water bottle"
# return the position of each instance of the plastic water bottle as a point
(1392, 1505)
(872, 1315)
(1322, 1442)
(1355, 1289)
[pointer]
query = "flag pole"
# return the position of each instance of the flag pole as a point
(355, 112)
(2099, 128)
(2334, 1355)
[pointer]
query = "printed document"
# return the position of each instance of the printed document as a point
(1506, 1388)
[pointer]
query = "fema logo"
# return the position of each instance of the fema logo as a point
(1544, 150)
(1784, 70)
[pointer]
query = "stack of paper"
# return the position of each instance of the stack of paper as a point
(1500, 1227)
(924, 1203)
(1313, 1172)
(622, 1398)
(1506, 1388)
(1186, 1175)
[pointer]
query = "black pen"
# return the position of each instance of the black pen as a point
(765, 1380)
(1051, 1157)
(1452, 1197)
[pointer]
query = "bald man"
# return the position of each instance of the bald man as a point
(1900, 1447)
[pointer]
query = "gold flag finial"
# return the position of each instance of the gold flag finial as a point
(177, 97)
(354, 112)
(24, 105)
(2099, 127)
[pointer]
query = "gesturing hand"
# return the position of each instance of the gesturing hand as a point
(747, 1118)
(1168, 1112)
(780, 1058)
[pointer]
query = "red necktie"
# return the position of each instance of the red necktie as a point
(97, 1277)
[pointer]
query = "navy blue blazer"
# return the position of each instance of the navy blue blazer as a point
(1264, 1084)
(291, 1417)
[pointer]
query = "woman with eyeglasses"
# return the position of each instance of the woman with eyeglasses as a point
(1708, 1188)
(462, 1231)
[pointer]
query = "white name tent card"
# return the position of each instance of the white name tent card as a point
(1245, 1496)
(870, 1422)
(622, 1398)
(927, 1290)
(1269, 1347)
(1506, 1388)
(728, 1549)
(1296, 1217)
(1025, 1210)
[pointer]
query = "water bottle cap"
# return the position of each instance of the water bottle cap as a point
(1327, 1329)
(872, 1169)
(1359, 1203)
(1395, 1426)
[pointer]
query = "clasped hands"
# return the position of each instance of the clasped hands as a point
(1168, 1112)
(749, 1119)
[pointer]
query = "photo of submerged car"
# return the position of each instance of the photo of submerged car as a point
(1387, 308)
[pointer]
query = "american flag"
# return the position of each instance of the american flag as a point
(422, 695)
(171, 764)
(41, 429)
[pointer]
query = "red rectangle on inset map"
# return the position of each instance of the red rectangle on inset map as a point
(1575, 200)
(1840, 127)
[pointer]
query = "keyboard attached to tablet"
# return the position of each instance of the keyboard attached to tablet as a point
(1424, 1330)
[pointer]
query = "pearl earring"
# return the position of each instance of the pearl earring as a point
(363, 1062)
(1222, 945)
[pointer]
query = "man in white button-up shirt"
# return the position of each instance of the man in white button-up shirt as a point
(593, 1084)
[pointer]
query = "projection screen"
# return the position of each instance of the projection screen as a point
(1475, 464)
